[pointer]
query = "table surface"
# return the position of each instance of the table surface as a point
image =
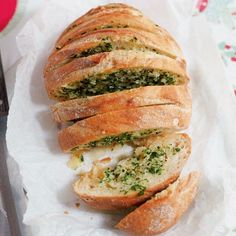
(221, 15)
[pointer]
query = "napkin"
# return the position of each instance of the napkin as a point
(32, 134)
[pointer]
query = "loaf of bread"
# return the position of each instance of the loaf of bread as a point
(119, 78)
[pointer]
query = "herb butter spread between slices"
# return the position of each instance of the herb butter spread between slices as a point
(119, 139)
(115, 26)
(58, 47)
(107, 45)
(104, 46)
(133, 174)
(123, 79)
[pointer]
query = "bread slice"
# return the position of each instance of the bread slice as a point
(113, 71)
(106, 40)
(163, 210)
(100, 11)
(134, 179)
(145, 96)
(123, 126)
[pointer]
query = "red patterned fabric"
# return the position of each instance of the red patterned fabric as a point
(7, 10)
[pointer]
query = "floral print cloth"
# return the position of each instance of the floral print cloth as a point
(221, 15)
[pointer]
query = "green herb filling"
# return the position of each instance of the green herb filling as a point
(123, 138)
(113, 26)
(132, 173)
(101, 27)
(107, 46)
(116, 81)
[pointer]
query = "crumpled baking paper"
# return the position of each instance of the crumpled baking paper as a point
(32, 135)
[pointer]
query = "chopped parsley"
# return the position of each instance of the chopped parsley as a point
(138, 188)
(123, 138)
(132, 172)
(81, 158)
(176, 150)
(134, 39)
(113, 26)
(109, 26)
(122, 79)
(105, 46)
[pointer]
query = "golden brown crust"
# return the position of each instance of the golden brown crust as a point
(99, 11)
(127, 18)
(162, 211)
(140, 97)
(123, 202)
(167, 117)
(122, 37)
(103, 63)
(114, 20)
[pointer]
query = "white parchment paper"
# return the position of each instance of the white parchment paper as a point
(32, 135)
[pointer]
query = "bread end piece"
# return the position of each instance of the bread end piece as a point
(164, 210)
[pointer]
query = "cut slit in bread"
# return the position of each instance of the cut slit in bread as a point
(149, 170)
(117, 80)
(107, 40)
(110, 21)
(100, 11)
(123, 126)
(163, 210)
(113, 71)
(80, 108)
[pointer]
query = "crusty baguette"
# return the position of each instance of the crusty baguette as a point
(127, 38)
(105, 63)
(140, 97)
(99, 190)
(162, 118)
(100, 11)
(164, 210)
